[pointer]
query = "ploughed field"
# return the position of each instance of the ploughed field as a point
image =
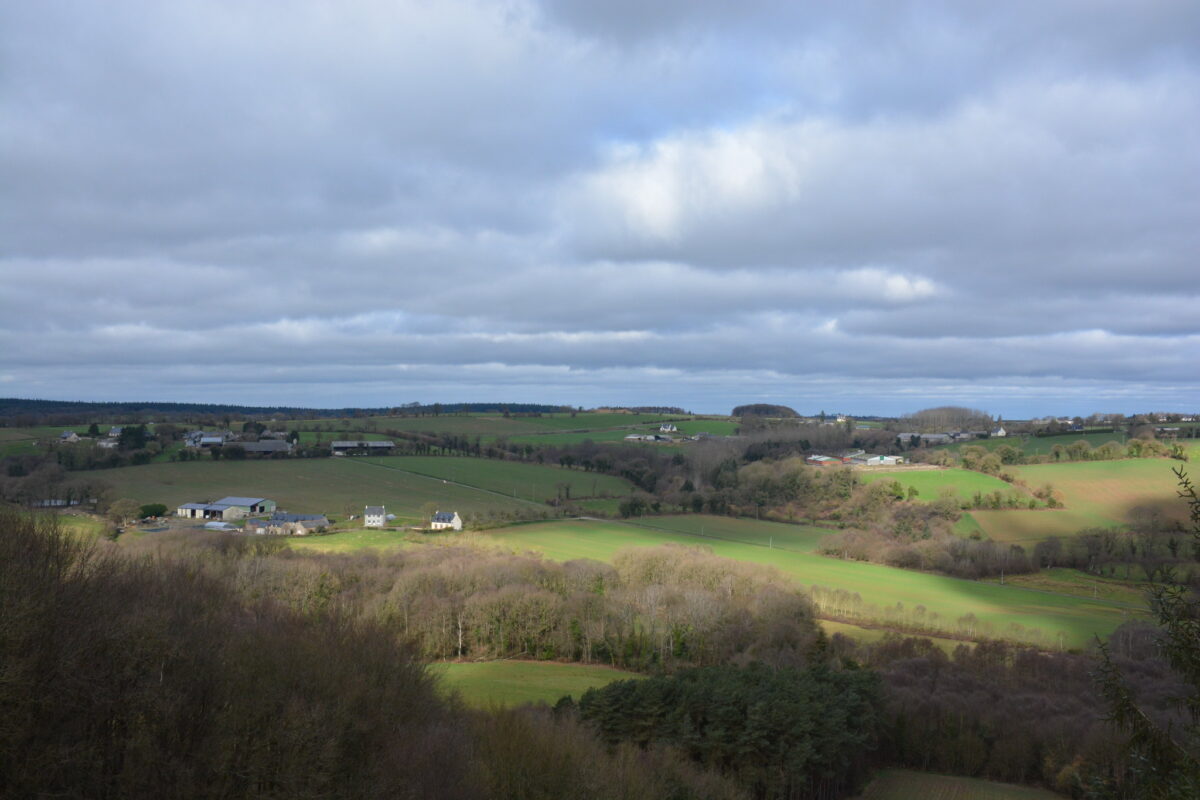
(510, 683)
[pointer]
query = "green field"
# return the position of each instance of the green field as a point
(334, 486)
(1095, 493)
(535, 482)
(487, 425)
(902, 784)
(1041, 445)
(510, 683)
(800, 538)
(1080, 584)
(928, 482)
(1077, 619)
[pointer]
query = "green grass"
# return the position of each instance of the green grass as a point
(928, 482)
(800, 538)
(999, 607)
(1080, 584)
(510, 683)
(967, 525)
(333, 486)
(1041, 445)
(80, 525)
(534, 482)
(902, 784)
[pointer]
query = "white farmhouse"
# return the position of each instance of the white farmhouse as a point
(374, 517)
(445, 519)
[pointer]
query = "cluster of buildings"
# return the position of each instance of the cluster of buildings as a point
(262, 516)
(267, 444)
(856, 458)
(110, 442)
(950, 437)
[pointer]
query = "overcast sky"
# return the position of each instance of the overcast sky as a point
(862, 207)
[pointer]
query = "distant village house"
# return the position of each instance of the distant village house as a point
(446, 519)
(374, 517)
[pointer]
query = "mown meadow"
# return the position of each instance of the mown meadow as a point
(509, 683)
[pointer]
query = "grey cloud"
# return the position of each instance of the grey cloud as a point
(585, 202)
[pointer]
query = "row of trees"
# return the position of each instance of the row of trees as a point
(651, 608)
(150, 678)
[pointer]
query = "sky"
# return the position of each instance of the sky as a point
(860, 207)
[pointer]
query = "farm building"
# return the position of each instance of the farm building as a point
(640, 437)
(344, 447)
(999, 433)
(226, 508)
(374, 517)
(68, 436)
(445, 519)
(822, 461)
(207, 439)
(877, 461)
(282, 523)
(266, 447)
(115, 431)
(667, 427)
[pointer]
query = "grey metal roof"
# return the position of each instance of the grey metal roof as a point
(283, 516)
(266, 446)
(206, 506)
(241, 501)
(374, 510)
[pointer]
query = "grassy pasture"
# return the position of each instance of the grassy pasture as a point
(536, 482)
(510, 683)
(902, 784)
(486, 425)
(1080, 584)
(1041, 445)
(800, 538)
(333, 486)
(929, 482)
(1077, 618)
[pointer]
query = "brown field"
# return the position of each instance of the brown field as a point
(1096, 494)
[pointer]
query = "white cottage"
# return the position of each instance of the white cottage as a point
(374, 517)
(445, 519)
